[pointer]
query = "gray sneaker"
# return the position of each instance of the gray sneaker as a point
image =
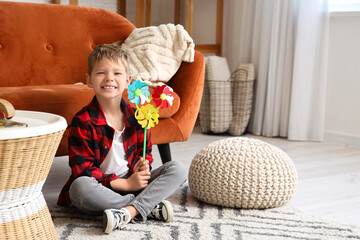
(163, 211)
(114, 218)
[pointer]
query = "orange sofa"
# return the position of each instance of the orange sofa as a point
(43, 54)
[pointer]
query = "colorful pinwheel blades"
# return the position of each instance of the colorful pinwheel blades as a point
(163, 96)
(148, 116)
(138, 91)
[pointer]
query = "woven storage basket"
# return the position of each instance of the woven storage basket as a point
(242, 98)
(24, 166)
(226, 105)
(220, 114)
(243, 173)
(216, 107)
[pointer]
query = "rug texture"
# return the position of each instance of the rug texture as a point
(197, 220)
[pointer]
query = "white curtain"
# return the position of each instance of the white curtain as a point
(287, 40)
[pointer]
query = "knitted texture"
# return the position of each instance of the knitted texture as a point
(156, 52)
(243, 173)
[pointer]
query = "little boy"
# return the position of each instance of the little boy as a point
(109, 176)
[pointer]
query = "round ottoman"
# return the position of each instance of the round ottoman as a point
(243, 173)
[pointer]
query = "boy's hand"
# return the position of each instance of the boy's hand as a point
(142, 166)
(139, 180)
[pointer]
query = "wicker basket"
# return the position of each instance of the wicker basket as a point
(226, 105)
(24, 166)
(242, 98)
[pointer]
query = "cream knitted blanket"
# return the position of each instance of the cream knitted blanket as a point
(155, 53)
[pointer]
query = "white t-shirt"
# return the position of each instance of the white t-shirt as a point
(115, 161)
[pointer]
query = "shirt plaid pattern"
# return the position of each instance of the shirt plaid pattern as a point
(90, 139)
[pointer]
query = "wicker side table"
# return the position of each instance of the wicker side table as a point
(26, 155)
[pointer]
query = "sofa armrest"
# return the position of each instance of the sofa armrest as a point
(188, 83)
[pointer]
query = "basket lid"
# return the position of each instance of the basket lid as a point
(38, 123)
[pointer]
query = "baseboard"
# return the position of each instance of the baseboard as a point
(341, 138)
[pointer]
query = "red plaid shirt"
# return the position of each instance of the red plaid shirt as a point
(90, 139)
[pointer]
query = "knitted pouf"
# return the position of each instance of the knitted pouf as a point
(243, 173)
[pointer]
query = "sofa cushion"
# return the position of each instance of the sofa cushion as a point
(61, 98)
(65, 100)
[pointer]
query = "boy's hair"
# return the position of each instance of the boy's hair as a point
(111, 51)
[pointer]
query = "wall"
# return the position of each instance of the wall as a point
(343, 90)
(162, 12)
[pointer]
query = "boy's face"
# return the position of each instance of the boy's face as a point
(108, 79)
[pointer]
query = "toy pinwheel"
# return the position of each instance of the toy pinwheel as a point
(138, 90)
(147, 115)
(162, 93)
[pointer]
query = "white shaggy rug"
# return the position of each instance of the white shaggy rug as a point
(197, 220)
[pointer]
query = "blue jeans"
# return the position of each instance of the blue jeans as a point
(93, 198)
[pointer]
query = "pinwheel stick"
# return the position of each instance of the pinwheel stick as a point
(144, 148)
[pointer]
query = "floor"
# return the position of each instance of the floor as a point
(329, 174)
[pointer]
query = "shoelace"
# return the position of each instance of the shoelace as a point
(156, 212)
(120, 220)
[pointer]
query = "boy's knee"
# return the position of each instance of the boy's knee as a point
(80, 187)
(178, 168)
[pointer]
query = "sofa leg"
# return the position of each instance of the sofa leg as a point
(165, 154)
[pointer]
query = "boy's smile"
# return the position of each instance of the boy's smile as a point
(109, 87)
(108, 79)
